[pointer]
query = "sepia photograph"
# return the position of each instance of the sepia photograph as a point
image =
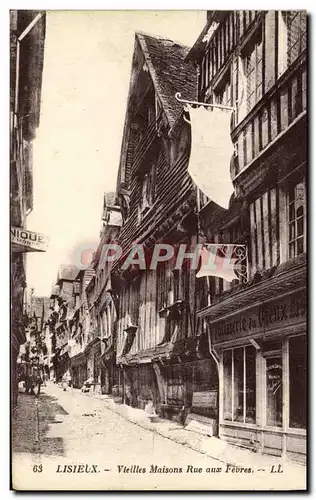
(158, 250)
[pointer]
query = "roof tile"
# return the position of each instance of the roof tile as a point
(170, 72)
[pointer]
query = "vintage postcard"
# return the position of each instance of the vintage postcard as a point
(158, 250)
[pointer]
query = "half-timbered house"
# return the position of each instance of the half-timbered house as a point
(161, 354)
(255, 61)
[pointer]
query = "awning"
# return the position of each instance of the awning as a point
(96, 341)
(187, 349)
(78, 359)
(287, 277)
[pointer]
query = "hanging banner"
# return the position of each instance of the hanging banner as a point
(228, 262)
(211, 152)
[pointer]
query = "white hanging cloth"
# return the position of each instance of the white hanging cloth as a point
(211, 152)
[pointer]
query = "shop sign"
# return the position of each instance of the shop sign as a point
(267, 316)
(23, 240)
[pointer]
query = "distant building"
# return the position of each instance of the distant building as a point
(61, 312)
(35, 351)
(79, 328)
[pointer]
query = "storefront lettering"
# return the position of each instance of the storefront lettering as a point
(275, 378)
(265, 317)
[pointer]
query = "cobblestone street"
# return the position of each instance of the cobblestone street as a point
(65, 428)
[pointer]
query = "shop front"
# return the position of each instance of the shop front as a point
(188, 381)
(180, 378)
(64, 361)
(262, 352)
(108, 370)
(92, 353)
(139, 382)
(78, 365)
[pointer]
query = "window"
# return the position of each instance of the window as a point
(296, 34)
(240, 384)
(292, 37)
(252, 67)
(134, 301)
(298, 381)
(223, 93)
(220, 37)
(147, 190)
(296, 216)
(177, 291)
(274, 393)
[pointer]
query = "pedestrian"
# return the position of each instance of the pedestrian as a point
(28, 384)
(65, 382)
(32, 384)
(39, 382)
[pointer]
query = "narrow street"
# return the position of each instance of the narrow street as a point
(61, 429)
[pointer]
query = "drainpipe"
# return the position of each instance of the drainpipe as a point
(215, 357)
(212, 353)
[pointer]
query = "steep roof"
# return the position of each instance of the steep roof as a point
(67, 272)
(169, 71)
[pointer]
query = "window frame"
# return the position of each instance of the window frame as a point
(232, 421)
(223, 86)
(289, 221)
(296, 429)
(284, 58)
(252, 47)
(147, 199)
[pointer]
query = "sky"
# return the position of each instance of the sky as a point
(87, 64)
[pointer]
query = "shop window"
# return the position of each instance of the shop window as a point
(240, 384)
(272, 353)
(298, 381)
(296, 219)
(274, 375)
